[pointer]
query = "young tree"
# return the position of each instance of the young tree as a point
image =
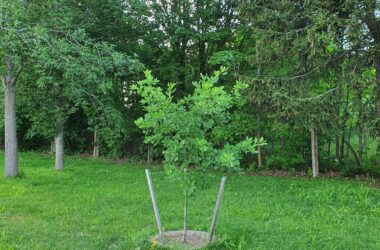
(185, 128)
(13, 34)
(70, 73)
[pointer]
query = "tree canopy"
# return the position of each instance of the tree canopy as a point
(311, 72)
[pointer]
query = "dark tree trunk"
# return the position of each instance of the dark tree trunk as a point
(356, 156)
(149, 157)
(361, 143)
(344, 120)
(259, 151)
(337, 148)
(182, 61)
(360, 125)
(373, 25)
(349, 140)
(377, 90)
(202, 56)
(272, 145)
(329, 149)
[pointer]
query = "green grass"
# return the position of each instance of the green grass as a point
(93, 204)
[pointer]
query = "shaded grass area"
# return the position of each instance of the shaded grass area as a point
(94, 204)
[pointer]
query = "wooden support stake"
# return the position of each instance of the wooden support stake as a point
(156, 214)
(216, 210)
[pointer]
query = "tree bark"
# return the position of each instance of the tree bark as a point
(149, 157)
(337, 148)
(96, 144)
(378, 87)
(52, 147)
(314, 151)
(378, 100)
(348, 139)
(259, 151)
(345, 118)
(329, 149)
(201, 7)
(272, 146)
(356, 156)
(59, 149)
(361, 142)
(11, 164)
(259, 156)
(202, 56)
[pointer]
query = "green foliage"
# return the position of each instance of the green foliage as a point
(287, 162)
(306, 63)
(185, 127)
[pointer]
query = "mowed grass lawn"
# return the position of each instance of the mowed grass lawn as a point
(94, 204)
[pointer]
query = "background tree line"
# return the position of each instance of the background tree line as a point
(312, 67)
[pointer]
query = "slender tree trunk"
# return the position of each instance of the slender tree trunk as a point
(201, 6)
(343, 138)
(52, 147)
(329, 149)
(356, 156)
(182, 60)
(59, 149)
(378, 87)
(11, 164)
(345, 118)
(202, 56)
(337, 148)
(349, 140)
(360, 125)
(272, 144)
(373, 24)
(361, 144)
(96, 144)
(337, 139)
(149, 157)
(259, 151)
(314, 151)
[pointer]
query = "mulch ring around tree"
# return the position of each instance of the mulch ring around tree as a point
(173, 240)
